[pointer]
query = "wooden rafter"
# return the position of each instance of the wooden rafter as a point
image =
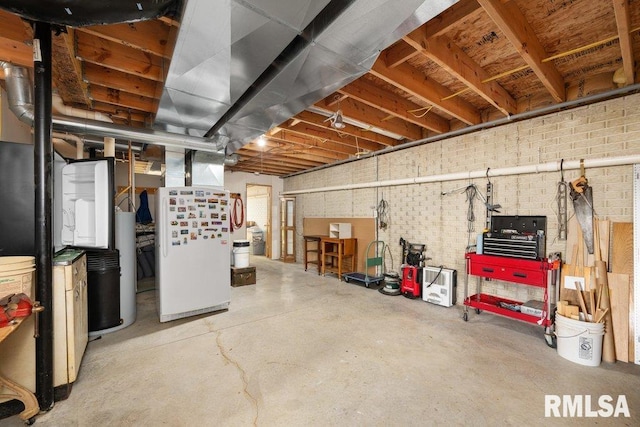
(449, 56)
(509, 18)
(395, 105)
(356, 132)
(459, 11)
(123, 99)
(119, 57)
(67, 71)
(401, 51)
(114, 79)
(623, 21)
(374, 117)
(326, 134)
(147, 36)
(415, 83)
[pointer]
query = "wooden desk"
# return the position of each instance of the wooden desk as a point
(312, 246)
(15, 390)
(337, 253)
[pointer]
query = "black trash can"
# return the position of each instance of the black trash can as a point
(103, 289)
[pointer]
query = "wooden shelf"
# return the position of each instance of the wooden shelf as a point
(337, 253)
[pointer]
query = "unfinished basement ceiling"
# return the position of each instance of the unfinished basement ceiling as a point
(444, 67)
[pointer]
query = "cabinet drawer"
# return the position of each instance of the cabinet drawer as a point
(510, 274)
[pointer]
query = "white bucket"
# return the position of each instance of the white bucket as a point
(578, 341)
(16, 275)
(241, 253)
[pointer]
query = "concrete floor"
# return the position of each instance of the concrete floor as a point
(301, 349)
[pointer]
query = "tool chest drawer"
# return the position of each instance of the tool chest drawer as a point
(528, 272)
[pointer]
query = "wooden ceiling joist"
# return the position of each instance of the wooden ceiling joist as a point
(114, 79)
(147, 36)
(395, 105)
(376, 118)
(119, 57)
(623, 22)
(355, 131)
(67, 70)
(123, 99)
(329, 135)
(509, 18)
(449, 56)
(415, 83)
(457, 12)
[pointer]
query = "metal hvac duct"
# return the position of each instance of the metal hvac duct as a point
(242, 67)
(20, 100)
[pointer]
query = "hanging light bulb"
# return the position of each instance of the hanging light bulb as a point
(262, 141)
(337, 122)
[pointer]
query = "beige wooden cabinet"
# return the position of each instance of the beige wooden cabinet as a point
(70, 318)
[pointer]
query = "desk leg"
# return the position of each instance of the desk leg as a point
(31, 407)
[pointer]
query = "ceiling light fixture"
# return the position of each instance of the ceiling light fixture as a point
(336, 120)
(262, 141)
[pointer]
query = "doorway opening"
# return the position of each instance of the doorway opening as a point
(259, 219)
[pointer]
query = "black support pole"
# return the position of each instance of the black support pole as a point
(43, 165)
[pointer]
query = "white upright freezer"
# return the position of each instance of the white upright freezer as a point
(192, 251)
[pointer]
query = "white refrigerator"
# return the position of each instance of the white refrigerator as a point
(192, 251)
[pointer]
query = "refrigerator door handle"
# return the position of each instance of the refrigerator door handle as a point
(165, 221)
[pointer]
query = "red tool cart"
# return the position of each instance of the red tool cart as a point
(542, 273)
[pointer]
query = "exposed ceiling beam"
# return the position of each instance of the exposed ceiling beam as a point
(303, 145)
(399, 53)
(509, 18)
(114, 79)
(148, 36)
(415, 83)
(355, 131)
(450, 16)
(393, 104)
(326, 134)
(374, 117)
(119, 57)
(67, 71)
(123, 99)
(623, 21)
(318, 141)
(16, 39)
(449, 56)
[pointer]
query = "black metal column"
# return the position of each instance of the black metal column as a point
(43, 168)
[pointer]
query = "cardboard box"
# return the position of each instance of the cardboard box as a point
(243, 276)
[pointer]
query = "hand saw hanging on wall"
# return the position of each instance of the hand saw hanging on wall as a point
(582, 197)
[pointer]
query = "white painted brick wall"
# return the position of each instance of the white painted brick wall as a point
(420, 214)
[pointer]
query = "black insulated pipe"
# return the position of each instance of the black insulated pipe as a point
(43, 176)
(321, 22)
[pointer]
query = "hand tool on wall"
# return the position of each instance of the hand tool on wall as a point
(582, 197)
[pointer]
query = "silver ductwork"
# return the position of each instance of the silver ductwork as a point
(241, 67)
(20, 100)
(19, 94)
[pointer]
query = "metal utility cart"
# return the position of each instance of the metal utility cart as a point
(542, 273)
(374, 259)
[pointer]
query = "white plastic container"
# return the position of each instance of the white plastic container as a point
(241, 250)
(578, 341)
(16, 275)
